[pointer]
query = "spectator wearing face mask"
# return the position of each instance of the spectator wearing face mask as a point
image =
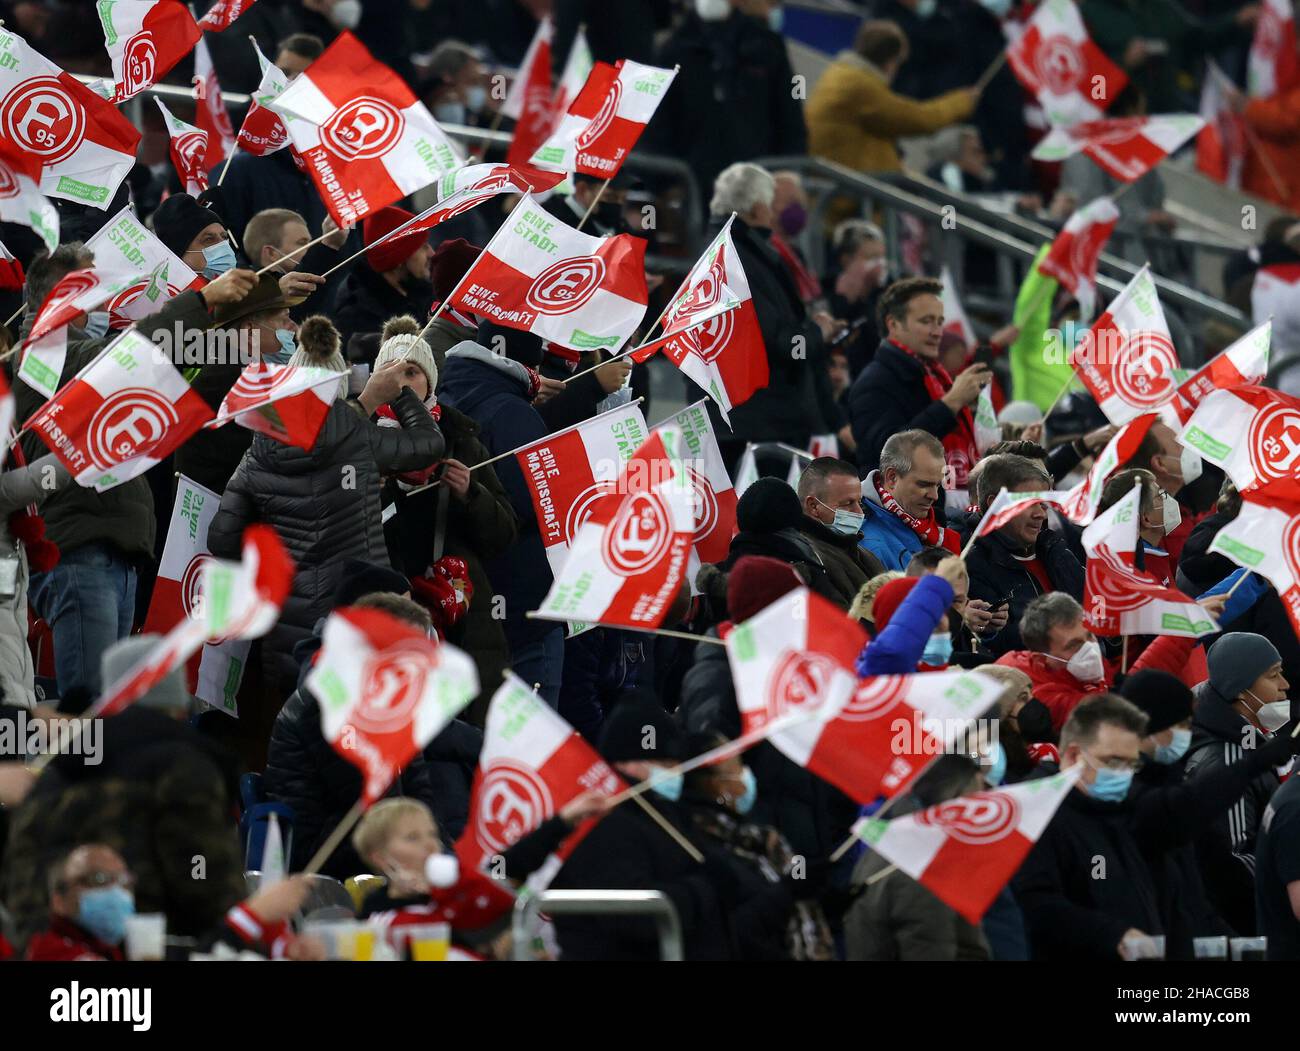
(1063, 658)
(1024, 724)
(1243, 702)
(606, 218)
(912, 626)
(790, 203)
(854, 283)
(457, 85)
(831, 497)
(90, 901)
(972, 619)
(1176, 467)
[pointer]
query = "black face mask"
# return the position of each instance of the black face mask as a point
(1035, 721)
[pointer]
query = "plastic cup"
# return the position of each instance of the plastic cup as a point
(1210, 949)
(363, 942)
(1249, 950)
(146, 936)
(429, 941)
(1143, 948)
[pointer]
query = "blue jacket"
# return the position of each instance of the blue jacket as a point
(496, 399)
(897, 649)
(888, 537)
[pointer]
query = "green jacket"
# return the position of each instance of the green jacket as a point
(1039, 368)
(123, 516)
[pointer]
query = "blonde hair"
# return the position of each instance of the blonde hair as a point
(376, 826)
(1013, 681)
(862, 601)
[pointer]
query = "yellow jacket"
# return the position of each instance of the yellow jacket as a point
(854, 118)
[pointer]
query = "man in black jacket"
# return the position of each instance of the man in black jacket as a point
(1237, 708)
(905, 388)
(276, 238)
(798, 401)
(1023, 559)
(831, 497)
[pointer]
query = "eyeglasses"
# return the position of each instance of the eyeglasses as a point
(95, 880)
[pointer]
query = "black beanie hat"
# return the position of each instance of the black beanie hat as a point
(626, 733)
(768, 505)
(178, 220)
(522, 347)
(362, 578)
(1165, 698)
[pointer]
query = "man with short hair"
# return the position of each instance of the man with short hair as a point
(899, 500)
(1064, 658)
(276, 239)
(831, 497)
(456, 88)
(1175, 467)
(906, 388)
(90, 899)
(1024, 559)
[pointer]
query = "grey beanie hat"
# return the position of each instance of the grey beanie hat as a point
(1237, 660)
(169, 695)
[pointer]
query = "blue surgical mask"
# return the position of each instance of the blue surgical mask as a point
(938, 650)
(217, 259)
(1176, 748)
(1111, 786)
(668, 785)
(286, 341)
(997, 8)
(476, 98)
(776, 19)
(846, 523)
(96, 326)
(746, 801)
(104, 912)
(997, 771)
(449, 113)
(926, 8)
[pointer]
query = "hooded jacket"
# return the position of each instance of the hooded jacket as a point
(324, 504)
(1226, 846)
(493, 391)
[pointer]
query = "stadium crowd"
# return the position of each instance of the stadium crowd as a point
(1174, 827)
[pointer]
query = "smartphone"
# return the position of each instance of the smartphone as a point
(983, 356)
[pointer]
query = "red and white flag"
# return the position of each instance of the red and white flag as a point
(365, 138)
(1124, 147)
(286, 402)
(125, 243)
(210, 113)
(1221, 144)
(600, 128)
(1081, 502)
(711, 328)
(121, 414)
(85, 146)
(176, 592)
(1119, 598)
(1072, 259)
(234, 600)
(577, 68)
(1265, 538)
(965, 850)
(1007, 506)
(467, 188)
(955, 321)
(221, 14)
(81, 292)
(1271, 65)
(1057, 62)
(529, 102)
(532, 764)
(867, 737)
(1245, 363)
(1275, 293)
(541, 275)
(1253, 433)
(6, 408)
(263, 130)
(144, 39)
(21, 200)
(567, 473)
(11, 271)
(1127, 359)
(188, 147)
(385, 691)
(628, 560)
(712, 494)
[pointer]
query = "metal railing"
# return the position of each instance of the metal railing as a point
(598, 903)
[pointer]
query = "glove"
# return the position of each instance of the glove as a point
(456, 572)
(437, 596)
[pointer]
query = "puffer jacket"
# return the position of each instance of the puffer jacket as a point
(20, 487)
(431, 524)
(324, 503)
(122, 516)
(848, 565)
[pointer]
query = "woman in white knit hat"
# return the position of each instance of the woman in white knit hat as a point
(440, 536)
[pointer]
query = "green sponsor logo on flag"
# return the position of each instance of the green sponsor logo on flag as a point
(38, 374)
(964, 692)
(48, 233)
(230, 688)
(1237, 550)
(329, 689)
(743, 638)
(1210, 447)
(872, 830)
(218, 586)
(580, 340)
(105, 8)
(82, 190)
(550, 155)
(1177, 622)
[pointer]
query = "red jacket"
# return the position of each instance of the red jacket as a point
(1061, 691)
(64, 940)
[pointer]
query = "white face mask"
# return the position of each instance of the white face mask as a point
(1272, 716)
(1173, 515)
(346, 14)
(712, 10)
(1189, 465)
(1086, 665)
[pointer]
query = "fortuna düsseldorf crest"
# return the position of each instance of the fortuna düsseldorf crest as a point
(975, 820)
(799, 682)
(604, 117)
(1059, 64)
(40, 117)
(129, 423)
(1274, 443)
(139, 60)
(873, 698)
(638, 536)
(363, 129)
(393, 683)
(513, 800)
(566, 285)
(1145, 373)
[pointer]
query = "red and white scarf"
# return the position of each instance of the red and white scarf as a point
(932, 534)
(960, 451)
